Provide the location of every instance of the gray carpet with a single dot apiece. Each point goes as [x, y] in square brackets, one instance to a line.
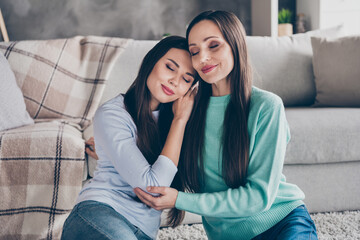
[330, 226]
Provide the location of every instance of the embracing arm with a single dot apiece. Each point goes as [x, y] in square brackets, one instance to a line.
[264, 174]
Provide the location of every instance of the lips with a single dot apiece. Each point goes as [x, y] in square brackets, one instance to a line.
[167, 90]
[208, 68]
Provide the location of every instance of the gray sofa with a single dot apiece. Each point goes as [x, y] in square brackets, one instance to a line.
[323, 156]
[43, 165]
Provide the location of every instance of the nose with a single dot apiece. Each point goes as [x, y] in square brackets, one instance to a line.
[204, 57]
[174, 80]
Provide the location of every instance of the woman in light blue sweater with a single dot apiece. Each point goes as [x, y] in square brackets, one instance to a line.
[232, 169]
[138, 139]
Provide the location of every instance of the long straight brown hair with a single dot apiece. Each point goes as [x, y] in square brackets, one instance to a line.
[151, 136]
[235, 138]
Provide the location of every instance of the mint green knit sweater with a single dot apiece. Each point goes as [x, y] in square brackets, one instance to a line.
[245, 212]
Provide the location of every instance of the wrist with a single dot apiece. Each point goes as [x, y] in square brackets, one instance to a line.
[180, 120]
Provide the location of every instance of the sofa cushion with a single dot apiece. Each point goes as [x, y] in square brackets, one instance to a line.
[40, 178]
[337, 71]
[323, 135]
[12, 106]
[283, 65]
[63, 78]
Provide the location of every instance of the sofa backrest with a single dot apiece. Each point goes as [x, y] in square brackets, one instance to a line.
[282, 65]
[126, 68]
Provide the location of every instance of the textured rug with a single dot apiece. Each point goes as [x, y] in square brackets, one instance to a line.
[330, 226]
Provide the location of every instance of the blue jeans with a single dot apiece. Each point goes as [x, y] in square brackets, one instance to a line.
[96, 220]
[296, 225]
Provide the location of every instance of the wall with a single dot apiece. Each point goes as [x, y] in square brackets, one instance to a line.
[138, 19]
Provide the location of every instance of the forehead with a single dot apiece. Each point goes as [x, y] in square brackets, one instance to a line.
[180, 56]
[175, 53]
[202, 30]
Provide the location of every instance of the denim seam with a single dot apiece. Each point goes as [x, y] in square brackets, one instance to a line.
[94, 226]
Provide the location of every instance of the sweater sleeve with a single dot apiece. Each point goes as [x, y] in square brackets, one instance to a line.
[115, 133]
[271, 134]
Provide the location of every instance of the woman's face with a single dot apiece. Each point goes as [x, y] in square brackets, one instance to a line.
[211, 55]
[171, 77]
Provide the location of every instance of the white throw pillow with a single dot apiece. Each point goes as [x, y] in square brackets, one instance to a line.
[12, 106]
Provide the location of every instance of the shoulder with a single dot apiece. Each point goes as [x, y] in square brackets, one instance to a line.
[264, 103]
[262, 100]
[113, 110]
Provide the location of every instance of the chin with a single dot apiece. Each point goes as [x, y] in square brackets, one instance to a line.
[166, 99]
[209, 80]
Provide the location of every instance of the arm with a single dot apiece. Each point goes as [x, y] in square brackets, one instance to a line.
[182, 110]
[264, 173]
[115, 132]
[115, 138]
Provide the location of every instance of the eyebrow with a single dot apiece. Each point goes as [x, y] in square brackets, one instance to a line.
[205, 39]
[190, 75]
[177, 65]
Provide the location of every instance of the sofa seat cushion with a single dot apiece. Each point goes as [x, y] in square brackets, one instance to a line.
[323, 135]
[40, 177]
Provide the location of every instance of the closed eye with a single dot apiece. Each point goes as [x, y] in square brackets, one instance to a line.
[193, 54]
[187, 81]
[214, 46]
[168, 66]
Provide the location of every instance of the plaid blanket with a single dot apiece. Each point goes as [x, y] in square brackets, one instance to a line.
[41, 165]
[63, 78]
[40, 177]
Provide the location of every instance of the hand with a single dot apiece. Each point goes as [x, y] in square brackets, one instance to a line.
[90, 148]
[166, 199]
[182, 107]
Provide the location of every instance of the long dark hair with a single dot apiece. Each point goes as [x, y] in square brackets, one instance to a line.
[235, 139]
[151, 136]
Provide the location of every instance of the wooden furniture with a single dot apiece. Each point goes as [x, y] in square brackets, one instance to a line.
[3, 28]
[328, 13]
[264, 18]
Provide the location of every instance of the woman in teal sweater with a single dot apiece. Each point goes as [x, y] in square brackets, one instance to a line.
[232, 168]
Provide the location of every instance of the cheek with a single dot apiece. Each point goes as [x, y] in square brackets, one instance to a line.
[195, 63]
[183, 89]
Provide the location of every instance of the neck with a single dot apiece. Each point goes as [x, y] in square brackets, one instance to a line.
[221, 88]
[154, 104]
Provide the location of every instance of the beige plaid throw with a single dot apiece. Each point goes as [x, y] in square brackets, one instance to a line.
[41, 165]
[63, 78]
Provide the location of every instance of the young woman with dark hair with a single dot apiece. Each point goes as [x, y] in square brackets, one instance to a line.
[138, 140]
[232, 168]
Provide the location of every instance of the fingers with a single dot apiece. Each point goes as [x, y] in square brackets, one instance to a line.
[194, 89]
[159, 190]
[91, 153]
[144, 197]
[196, 85]
[90, 148]
[90, 141]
